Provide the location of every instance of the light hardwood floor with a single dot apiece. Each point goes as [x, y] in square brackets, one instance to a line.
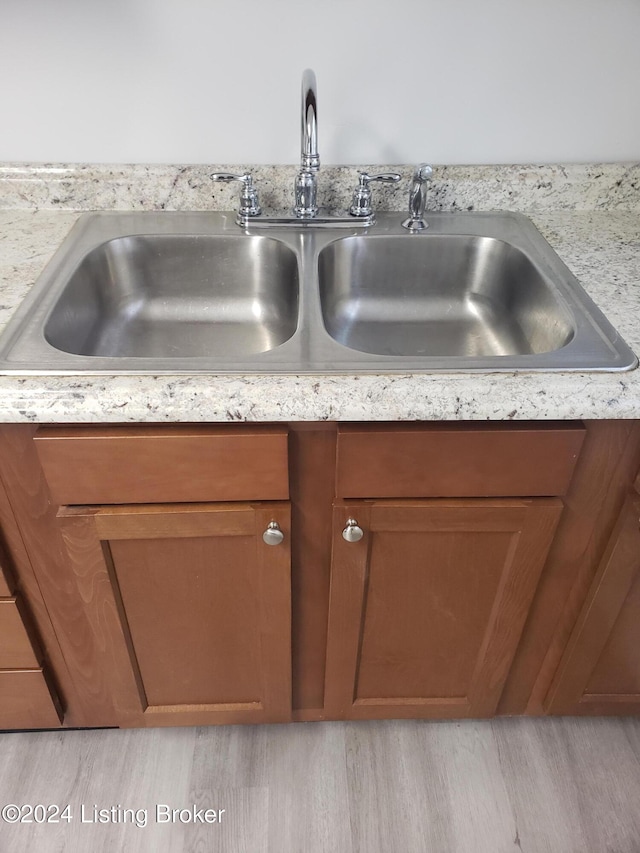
[518, 786]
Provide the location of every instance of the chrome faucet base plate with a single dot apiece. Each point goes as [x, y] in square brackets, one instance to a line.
[325, 221]
[415, 225]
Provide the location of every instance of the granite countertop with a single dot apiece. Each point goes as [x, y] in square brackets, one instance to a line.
[601, 246]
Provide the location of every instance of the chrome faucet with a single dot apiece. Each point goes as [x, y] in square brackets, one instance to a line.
[418, 198]
[306, 183]
[305, 209]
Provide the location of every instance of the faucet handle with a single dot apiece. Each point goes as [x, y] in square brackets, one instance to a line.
[361, 201]
[364, 179]
[249, 203]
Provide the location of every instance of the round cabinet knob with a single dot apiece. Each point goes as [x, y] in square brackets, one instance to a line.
[352, 533]
[273, 535]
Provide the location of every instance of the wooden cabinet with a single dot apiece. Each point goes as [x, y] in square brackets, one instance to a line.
[166, 611]
[192, 609]
[159, 602]
[186, 608]
[163, 464]
[457, 460]
[27, 697]
[600, 670]
[426, 610]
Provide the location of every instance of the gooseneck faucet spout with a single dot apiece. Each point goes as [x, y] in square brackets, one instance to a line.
[305, 213]
[309, 138]
[306, 183]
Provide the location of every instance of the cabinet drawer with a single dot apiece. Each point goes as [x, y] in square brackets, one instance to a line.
[26, 701]
[16, 649]
[173, 464]
[485, 460]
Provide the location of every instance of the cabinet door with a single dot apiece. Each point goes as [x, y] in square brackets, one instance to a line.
[600, 670]
[190, 608]
[426, 610]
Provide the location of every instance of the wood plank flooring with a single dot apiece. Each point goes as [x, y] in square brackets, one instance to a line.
[502, 786]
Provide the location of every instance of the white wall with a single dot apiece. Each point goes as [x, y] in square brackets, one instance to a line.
[448, 81]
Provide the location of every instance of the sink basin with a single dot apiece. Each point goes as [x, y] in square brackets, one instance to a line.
[449, 295]
[176, 296]
[191, 292]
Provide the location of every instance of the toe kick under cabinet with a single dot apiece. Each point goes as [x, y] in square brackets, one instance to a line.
[191, 575]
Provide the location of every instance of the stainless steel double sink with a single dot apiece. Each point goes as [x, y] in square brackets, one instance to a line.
[191, 292]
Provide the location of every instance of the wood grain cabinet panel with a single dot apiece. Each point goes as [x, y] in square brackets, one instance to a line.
[6, 580]
[426, 610]
[600, 670]
[27, 699]
[456, 460]
[171, 610]
[27, 702]
[16, 649]
[190, 607]
[164, 464]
